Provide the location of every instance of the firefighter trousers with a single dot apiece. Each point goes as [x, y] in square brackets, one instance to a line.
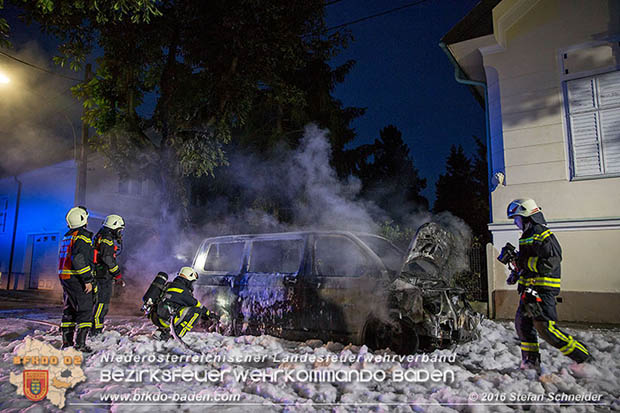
[530, 323]
[78, 305]
[102, 304]
[183, 321]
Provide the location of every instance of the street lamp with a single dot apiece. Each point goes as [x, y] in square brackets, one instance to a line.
[4, 79]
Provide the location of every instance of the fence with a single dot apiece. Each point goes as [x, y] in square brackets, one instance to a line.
[475, 280]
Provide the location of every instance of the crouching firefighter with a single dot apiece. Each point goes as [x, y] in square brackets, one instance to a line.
[178, 306]
[537, 270]
[75, 273]
[108, 244]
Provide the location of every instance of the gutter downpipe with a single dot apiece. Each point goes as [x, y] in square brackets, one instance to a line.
[458, 72]
[19, 193]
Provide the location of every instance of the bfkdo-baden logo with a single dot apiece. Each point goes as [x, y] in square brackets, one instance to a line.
[36, 384]
[47, 372]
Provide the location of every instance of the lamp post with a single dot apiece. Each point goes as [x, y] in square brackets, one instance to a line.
[4, 80]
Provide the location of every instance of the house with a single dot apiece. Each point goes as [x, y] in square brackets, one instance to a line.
[33, 205]
[548, 75]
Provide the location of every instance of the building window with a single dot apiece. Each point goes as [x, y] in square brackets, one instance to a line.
[135, 187]
[4, 209]
[593, 112]
[123, 185]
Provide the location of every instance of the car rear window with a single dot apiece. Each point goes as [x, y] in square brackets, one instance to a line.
[224, 257]
[276, 256]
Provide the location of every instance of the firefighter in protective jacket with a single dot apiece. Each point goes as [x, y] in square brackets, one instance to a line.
[538, 276]
[75, 272]
[178, 306]
[107, 268]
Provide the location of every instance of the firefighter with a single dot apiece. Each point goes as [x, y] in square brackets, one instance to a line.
[178, 303]
[538, 275]
[75, 270]
[107, 243]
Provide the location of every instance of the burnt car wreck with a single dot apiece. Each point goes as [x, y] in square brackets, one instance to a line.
[337, 286]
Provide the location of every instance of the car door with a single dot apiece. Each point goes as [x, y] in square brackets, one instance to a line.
[342, 288]
[219, 263]
[269, 297]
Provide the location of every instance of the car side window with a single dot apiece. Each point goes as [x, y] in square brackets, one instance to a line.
[276, 256]
[337, 256]
[225, 257]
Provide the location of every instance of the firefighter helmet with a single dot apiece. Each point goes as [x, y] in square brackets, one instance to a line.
[189, 273]
[77, 217]
[114, 222]
[524, 207]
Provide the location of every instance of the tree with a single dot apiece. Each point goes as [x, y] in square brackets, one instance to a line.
[390, 178]
[454, 190]
[272, 123]
[463, 189]
[202, 67]
[480, 214]
[115, 11]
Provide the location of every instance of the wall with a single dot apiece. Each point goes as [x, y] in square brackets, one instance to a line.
[530, 74]
[525, 74]
[47, 193]
[137, 204]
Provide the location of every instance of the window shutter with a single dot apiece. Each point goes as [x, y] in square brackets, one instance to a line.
[586, 144]
[581, 95]
[609, 89]
[594, 117]
[610, 127]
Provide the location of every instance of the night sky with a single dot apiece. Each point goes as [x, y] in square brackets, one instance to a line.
[401, 76]
[405, 79]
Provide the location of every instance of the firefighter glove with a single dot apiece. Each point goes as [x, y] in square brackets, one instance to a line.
[118, 280]
[206, 314]
[513, 278]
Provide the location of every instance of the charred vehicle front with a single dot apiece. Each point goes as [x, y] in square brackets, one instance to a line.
[338, 286]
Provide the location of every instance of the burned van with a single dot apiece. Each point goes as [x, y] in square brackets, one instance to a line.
[331, 285]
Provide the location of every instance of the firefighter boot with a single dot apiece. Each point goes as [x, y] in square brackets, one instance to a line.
[95, 332]
[80, 340]
[67, 336]
[531, 361]
[161, 334]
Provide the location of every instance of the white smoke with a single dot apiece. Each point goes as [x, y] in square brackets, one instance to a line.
[322, 201]
[304, 180]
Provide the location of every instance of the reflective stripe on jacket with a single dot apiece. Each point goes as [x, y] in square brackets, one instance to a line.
[107, 267]
[540, 255]
[76, 255]
[180, 293]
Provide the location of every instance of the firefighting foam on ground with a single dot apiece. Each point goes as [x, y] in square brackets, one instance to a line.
[440, 353]
[485, 370]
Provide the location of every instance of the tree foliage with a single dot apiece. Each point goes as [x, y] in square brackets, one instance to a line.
[388, 175]
[271, 122]
[463, 189]
[480, 173]
[202, 70]
[74, 14]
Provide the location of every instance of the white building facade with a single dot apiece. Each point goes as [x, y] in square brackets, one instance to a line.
[552, 75]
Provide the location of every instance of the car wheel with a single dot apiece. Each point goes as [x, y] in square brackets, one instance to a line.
[393, 334]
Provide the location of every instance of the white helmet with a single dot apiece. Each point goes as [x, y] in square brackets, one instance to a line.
[77, 217]
[114, 222]
[523, 206]
[189, 273]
